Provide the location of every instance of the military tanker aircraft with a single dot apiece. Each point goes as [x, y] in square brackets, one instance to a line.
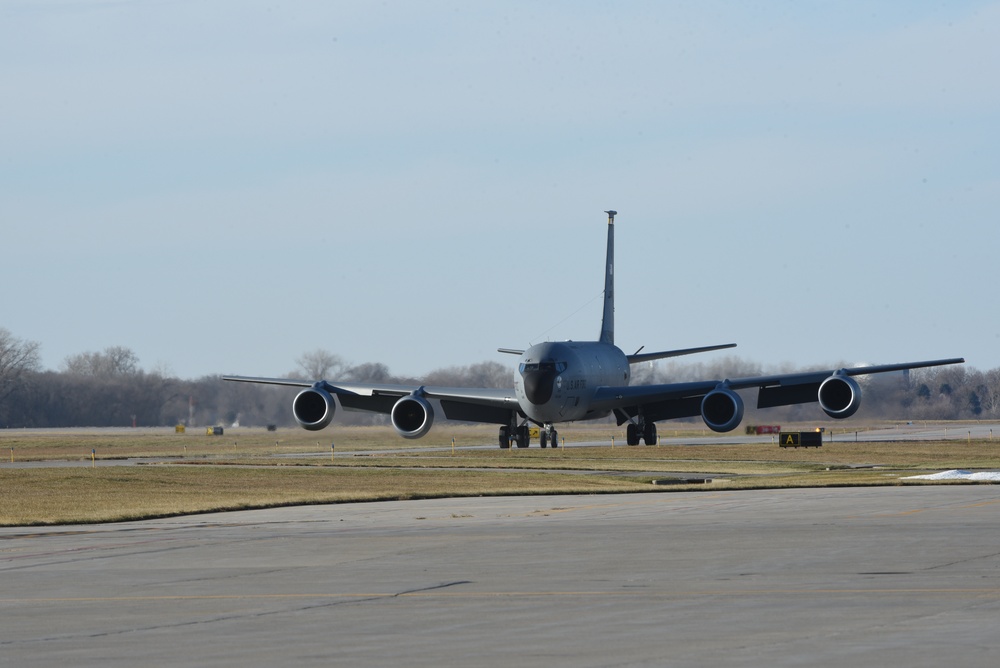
[567, 381]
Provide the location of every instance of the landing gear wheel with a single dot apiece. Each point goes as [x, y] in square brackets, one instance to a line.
[504, 438]
[555, 439]
[523, 436]
[632, 434]
[543, 439]
[649, 433]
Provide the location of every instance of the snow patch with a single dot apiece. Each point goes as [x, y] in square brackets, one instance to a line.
[958, 474]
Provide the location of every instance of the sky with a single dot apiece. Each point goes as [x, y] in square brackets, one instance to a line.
[222, 185]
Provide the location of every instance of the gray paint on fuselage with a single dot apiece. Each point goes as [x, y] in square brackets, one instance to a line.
[588, 366]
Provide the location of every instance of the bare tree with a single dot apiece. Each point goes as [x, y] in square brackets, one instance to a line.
[483, 374]
[320, 364]
[114, 361]
[121, 361]
[17, 357]
[369, 372]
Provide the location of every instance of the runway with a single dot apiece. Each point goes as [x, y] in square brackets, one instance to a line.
[901, 576]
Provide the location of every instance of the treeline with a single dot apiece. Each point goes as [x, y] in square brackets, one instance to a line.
[66, 399]
[108, 388]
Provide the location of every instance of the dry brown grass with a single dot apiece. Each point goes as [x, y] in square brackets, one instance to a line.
[240, 470]
[82, 494]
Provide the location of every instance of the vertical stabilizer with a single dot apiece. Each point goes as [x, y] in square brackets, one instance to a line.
[608, 322]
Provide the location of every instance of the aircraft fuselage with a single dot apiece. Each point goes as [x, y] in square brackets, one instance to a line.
[581, 380]
[556, 381]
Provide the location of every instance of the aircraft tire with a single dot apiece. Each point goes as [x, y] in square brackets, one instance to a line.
[632, 434]
[543, 439]
[649, 433]
[504, 438]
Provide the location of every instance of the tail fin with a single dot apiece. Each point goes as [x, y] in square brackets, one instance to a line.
[608, 322]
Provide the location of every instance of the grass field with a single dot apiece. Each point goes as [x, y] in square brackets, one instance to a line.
[63, 476]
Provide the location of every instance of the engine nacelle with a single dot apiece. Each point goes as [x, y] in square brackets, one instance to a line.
[313, 408]
[722, 410]
[839, 396]
[412, 416]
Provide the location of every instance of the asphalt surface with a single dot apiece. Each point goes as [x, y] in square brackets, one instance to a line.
[896, 576]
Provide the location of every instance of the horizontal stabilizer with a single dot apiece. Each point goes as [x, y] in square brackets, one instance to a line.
[647, 357]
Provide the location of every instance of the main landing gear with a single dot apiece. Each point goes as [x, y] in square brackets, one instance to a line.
[518, 435]
[640, 430]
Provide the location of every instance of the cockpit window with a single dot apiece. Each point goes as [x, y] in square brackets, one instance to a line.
[557, 367]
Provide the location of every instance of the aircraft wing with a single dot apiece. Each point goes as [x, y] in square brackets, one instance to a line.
[677, 400]
[459, 403]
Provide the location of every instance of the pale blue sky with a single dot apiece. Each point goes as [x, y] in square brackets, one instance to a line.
[222, 186]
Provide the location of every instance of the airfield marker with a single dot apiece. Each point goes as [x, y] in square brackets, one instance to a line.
[93, 458]
[452, 446]
[12, 451]
[331, 452]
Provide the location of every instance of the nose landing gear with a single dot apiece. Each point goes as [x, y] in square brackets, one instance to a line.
[548, 435]
[520, 434]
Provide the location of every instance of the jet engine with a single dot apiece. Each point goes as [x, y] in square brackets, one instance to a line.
[722, 409]
[839, 396]
[412, 416]
[313, 408]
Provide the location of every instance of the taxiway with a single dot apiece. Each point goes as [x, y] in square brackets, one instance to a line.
[902, 575]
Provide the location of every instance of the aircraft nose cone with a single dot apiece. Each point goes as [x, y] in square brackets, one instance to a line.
[538, 385]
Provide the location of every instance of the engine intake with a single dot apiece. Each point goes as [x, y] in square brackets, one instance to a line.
[840, 396]
[722, 410]
[313, 408]
[412, 416]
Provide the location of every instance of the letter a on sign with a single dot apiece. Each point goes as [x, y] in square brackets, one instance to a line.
[791, 439]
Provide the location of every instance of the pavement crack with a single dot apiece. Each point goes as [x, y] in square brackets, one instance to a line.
[992, 555]
[443, 585]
